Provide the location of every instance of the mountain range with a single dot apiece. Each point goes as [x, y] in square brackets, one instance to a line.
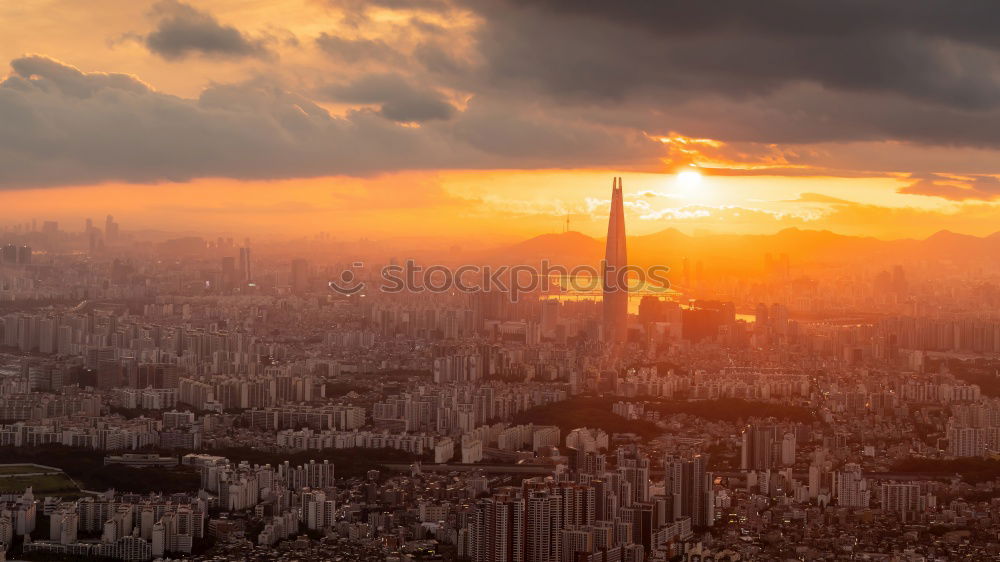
[731, 252]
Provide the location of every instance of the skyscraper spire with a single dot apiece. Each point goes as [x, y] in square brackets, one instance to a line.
[615, 286]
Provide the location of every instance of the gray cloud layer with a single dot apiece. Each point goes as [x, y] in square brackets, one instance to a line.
[61, 126]
[550, 83]
[357, 50]
[931, 50]
[399, 100]
[926, 71]
[182, 30]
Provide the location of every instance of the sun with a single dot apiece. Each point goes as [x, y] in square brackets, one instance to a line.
[688, 181]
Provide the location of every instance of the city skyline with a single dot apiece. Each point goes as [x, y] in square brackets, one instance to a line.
[342, 280]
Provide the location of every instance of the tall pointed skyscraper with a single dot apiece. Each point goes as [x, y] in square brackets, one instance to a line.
[615, 260]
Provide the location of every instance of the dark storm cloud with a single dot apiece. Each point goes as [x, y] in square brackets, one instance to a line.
[399, 100]
[183, 30]
[61, 126]
[541, 135]
[437, 60]
[969, 20]
[361, 6]
[778, 71]
[357, 50]
[807, 113]
[609, 50]
[540, 83]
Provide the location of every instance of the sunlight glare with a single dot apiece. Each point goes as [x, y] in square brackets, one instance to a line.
[688, 181]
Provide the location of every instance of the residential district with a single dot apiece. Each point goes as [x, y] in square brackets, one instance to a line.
[195, 399]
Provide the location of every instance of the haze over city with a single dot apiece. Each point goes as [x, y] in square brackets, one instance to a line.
[499, 280]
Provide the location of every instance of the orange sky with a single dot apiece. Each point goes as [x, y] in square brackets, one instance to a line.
[505, 204]
[460, 169]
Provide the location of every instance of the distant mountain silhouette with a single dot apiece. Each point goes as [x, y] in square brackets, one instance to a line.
[567, 248]
[735, 252]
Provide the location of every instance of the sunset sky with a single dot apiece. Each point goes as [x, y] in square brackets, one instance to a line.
[499, 119]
